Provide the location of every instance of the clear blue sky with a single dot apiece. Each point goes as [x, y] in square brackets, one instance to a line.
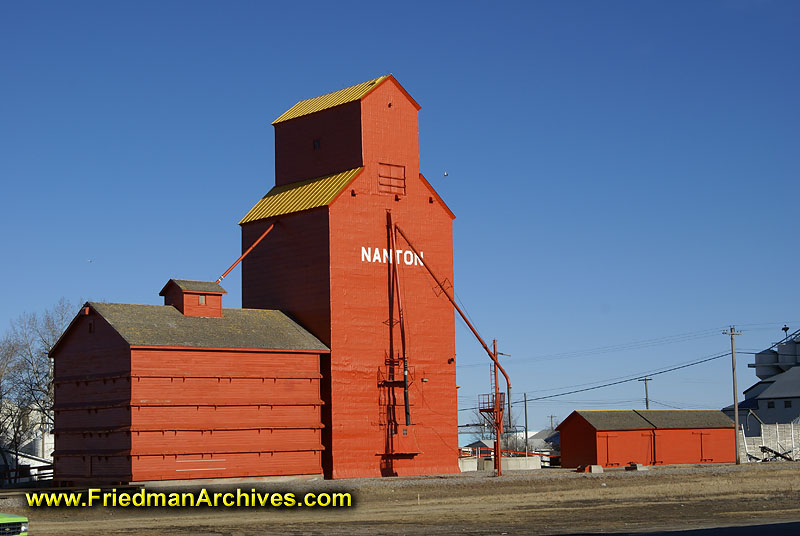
[621, 171]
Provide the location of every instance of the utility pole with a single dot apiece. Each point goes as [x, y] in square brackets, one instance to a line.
[646, 394]
[525, 397]
[551, 421]
[732, 332]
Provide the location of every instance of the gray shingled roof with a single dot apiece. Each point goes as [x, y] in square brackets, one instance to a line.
[686, 418]
[784, 385]
[648, 419]
[195, 286]
[747, 403]
[163, 325]
[620, 419]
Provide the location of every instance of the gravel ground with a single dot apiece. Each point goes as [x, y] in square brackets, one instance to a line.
[548, 501]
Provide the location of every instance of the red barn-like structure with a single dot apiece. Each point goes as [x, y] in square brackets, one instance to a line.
[342, 360]
[615, 438]
[185, 390]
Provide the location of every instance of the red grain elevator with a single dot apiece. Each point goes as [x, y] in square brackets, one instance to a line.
[344, 163]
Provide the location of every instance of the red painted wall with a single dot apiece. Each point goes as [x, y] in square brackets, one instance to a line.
[192, 306]
[687, 445]
[338, 131]
[618, 448]
[151, 413]
[578, 442]
[289, 271]
[189, 304]
[208, 403]
[361, 444]
[90, 388]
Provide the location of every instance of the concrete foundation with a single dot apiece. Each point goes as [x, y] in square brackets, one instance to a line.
[468, 464]
[508, 464]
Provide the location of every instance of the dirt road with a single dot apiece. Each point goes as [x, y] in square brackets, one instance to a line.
[550, 501]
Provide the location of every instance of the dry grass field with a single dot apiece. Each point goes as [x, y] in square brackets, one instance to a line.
[549, 501]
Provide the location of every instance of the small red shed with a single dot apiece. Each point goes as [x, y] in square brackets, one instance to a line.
[185, 390]
[614, 438]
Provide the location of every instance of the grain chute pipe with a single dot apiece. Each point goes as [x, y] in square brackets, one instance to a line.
[260, 238]
[460, 312]
[396, 287]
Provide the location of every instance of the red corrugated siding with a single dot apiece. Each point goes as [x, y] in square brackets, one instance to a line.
[208, 402]
[85, 355]
[214, 417]
[224, 465]
[255, 407]
[223, 391]
[94, 468]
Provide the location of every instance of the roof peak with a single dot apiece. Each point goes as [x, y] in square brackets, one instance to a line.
[336, 98]
[193, 285]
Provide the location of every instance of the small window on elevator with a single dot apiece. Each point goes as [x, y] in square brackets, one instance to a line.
[201, 299]
[392, 179]
[317, 144]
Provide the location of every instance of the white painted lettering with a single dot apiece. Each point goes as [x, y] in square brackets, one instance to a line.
[383, 256]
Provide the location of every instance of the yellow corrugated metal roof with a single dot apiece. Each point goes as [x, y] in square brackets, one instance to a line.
[348, 94]
[301, 195]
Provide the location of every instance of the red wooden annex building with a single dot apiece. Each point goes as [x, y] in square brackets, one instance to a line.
[614, 438]
[354, 362]
[185, 390]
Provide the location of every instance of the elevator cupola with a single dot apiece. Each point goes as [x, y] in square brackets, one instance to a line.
[194, 298]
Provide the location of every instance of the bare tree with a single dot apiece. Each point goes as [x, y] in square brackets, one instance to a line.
[15, 407]
[26, 377]
[7, 352]
[31, 337]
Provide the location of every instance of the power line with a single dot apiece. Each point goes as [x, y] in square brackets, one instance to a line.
[654, 401]
[635, 345]
[645, 343]
[649, 372]
[618, 382]
[635, 378]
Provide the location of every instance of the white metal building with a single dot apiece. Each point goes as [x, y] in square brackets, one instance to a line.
[775, 399]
